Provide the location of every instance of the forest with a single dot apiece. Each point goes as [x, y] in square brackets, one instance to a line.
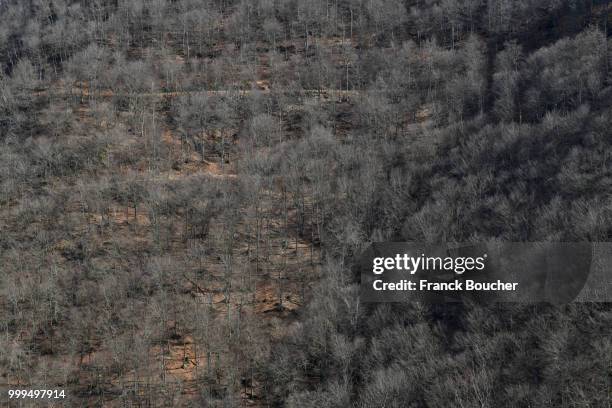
[186, 187]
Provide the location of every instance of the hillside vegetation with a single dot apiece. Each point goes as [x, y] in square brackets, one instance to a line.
[185, 185]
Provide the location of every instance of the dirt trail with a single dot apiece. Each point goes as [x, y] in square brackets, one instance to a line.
[261, 86]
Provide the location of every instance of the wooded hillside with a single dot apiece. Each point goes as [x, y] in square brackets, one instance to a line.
[184, 186]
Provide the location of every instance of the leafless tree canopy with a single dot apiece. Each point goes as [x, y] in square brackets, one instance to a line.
[185, 186]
